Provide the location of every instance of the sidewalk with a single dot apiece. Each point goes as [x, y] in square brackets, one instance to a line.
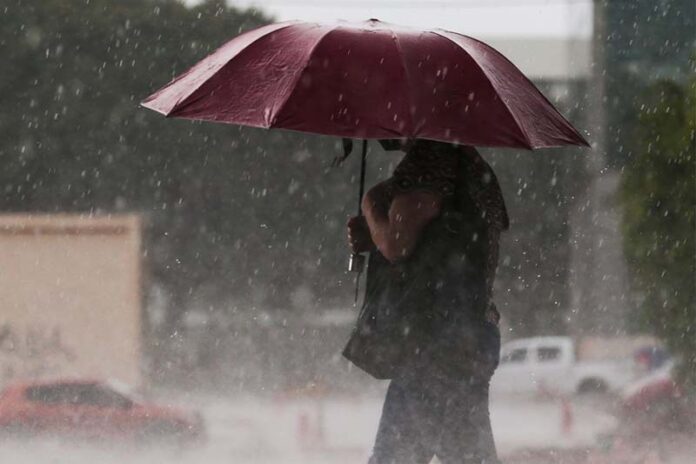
[675, 450]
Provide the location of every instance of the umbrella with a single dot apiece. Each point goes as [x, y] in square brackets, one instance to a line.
[368, 80]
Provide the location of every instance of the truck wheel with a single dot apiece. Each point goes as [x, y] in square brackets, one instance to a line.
[592, 385]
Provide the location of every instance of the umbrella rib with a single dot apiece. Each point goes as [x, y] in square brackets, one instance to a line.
[488, 78]
[185, 99]
[407, 76]
[529, 81]
[281, 107]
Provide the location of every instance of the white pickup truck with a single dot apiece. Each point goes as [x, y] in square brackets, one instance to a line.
[555, 365]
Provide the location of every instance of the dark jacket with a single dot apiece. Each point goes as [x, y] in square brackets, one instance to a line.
[429, 312]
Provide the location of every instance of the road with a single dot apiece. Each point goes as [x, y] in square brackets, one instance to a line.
[336, 430]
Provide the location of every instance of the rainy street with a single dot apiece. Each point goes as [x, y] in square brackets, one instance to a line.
[348, 231]
[340, 430]
[329, 431]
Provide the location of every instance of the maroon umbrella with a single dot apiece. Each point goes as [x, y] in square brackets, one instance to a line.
[368, 80]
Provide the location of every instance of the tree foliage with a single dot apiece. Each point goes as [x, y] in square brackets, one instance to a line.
[228, 210]
[645, 41]
[659, 223]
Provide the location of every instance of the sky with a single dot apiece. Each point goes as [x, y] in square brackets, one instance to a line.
[483, 18]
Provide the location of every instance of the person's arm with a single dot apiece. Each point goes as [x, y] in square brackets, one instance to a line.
[396, 223]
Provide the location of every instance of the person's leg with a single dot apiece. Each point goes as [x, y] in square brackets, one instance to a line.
[466, 436]
[405, 434]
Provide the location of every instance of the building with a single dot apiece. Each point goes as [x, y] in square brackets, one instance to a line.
[70, 297]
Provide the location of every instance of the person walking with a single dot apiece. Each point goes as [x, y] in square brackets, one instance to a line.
[428, 321]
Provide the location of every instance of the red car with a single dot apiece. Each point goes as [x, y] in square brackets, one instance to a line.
[91, 410]
[651, 393]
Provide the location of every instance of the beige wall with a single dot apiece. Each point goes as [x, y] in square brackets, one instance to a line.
[563, 59]
[70, 299]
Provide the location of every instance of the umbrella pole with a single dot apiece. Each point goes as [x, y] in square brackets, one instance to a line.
[362, 176]
[357, 261]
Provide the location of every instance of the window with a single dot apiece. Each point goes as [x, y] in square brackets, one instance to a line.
[548, 353]
[103, 397]
[53, 394]
[515, 356]
[78, 394]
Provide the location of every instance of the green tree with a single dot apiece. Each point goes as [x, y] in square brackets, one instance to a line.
[234, 214]
[658, 193]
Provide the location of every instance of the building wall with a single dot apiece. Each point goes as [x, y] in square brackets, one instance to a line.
[547, 59]
[600, 302]
[70, 297]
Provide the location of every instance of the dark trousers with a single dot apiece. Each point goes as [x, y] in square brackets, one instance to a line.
[426, 416]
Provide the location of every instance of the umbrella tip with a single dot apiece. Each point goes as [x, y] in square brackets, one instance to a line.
[583, 141]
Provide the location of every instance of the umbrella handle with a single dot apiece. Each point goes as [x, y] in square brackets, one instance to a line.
[363, 162]
[356, 263]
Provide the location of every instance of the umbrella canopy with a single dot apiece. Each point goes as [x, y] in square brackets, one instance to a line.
[369, 80]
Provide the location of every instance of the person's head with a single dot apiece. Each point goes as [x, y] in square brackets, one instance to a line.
[427, 158]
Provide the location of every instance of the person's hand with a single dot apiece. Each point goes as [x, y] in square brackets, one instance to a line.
[359, 238]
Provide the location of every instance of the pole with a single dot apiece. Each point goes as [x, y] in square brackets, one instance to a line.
[357, 261]
[362, 176]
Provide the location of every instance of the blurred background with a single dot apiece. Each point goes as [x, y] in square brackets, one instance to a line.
[205, 265]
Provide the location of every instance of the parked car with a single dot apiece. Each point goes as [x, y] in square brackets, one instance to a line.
[653, 394]
[655, 422]
[652, 358]
[91, 410]
[553, 365]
